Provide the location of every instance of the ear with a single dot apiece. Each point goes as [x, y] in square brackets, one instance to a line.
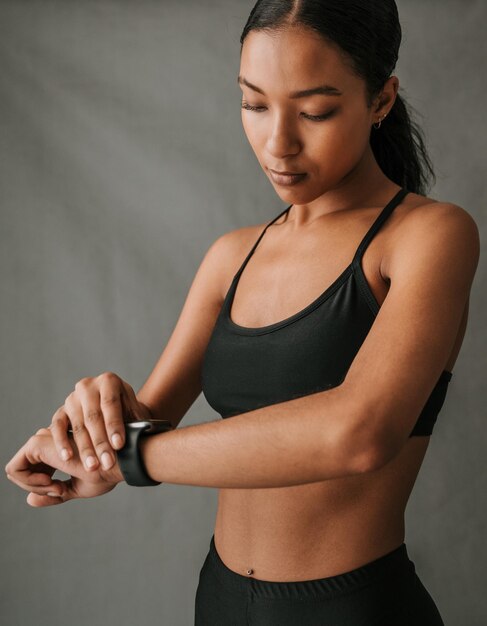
[385, 100]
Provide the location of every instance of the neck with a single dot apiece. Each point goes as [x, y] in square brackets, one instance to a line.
[364, 185]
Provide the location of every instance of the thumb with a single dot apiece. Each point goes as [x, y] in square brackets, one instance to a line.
[36, 500]
[64, 491]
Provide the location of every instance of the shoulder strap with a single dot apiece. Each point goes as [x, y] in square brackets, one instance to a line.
[381, 218]
[240, 270]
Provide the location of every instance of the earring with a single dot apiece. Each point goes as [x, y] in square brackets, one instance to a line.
[380, 122]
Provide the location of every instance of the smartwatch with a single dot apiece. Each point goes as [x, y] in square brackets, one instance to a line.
[129, 457]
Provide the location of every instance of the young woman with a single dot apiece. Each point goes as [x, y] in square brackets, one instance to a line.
[328, 335]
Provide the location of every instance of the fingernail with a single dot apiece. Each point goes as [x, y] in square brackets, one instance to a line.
[90, 461]
[64, 454]
[52, 494]
[106, 460]
[116, 440]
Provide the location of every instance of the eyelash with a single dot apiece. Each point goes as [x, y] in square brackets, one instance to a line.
[314, 118]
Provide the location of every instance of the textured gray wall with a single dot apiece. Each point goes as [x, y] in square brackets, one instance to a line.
[122, 158]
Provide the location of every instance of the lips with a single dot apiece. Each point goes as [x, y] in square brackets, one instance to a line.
[283, 173]
[287, 179]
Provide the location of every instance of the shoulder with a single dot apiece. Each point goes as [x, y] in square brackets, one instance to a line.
[428, 212]
[229, 250]
[442, 231]
[233, 241]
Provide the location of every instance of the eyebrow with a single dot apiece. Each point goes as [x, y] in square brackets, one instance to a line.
[324, 90]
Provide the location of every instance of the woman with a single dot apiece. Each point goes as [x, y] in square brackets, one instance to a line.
[330, 342]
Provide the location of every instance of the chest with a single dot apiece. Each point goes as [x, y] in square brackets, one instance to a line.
[247, 368]
[282, 281]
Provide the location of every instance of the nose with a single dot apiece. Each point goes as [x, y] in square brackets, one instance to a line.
[283, 139]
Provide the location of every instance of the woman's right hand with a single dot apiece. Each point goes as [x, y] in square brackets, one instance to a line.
[96, 411]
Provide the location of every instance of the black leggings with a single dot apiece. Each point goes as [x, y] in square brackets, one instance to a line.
[383, 592]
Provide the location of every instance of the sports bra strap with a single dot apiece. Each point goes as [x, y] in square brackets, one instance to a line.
[257, 242]
[381, 218]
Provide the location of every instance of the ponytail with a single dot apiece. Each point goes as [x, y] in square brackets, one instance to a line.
[399, 149]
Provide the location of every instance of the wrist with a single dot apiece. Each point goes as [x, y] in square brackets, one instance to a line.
[144, 449]
[132, 457]
[115, 473]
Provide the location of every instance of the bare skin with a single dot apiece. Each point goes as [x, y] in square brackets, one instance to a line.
[321, 529]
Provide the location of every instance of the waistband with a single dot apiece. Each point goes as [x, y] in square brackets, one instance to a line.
[390, 566]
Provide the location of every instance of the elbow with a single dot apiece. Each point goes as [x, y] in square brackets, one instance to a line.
[370, 459]
[368, 447]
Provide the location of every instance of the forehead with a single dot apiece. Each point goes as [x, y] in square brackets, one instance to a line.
[292, 58]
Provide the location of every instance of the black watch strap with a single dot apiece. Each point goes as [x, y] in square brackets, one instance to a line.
[129, 457]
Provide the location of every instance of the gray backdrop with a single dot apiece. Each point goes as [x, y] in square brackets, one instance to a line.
[122, 159]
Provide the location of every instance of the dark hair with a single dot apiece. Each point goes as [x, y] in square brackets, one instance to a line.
[369, 33]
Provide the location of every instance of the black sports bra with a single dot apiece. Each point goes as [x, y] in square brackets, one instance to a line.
[247, 368]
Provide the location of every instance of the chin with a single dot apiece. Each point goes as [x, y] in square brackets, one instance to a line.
[293, 195]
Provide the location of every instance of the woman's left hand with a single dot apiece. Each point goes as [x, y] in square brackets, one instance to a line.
[32, 467]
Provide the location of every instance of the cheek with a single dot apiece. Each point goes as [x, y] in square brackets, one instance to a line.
[256, 133]
[340, 143]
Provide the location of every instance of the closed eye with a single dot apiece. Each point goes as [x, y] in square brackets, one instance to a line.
[315, 118]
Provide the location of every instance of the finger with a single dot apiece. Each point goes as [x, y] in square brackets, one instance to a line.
[36, 500]
[23, 467]
[43, 431]
[59, 431]
[41, 486]
[30, 480]
[67, 492]
[94, 420]
[82, 438]
[111, 404]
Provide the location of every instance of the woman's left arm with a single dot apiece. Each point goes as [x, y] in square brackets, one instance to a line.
[363, 423]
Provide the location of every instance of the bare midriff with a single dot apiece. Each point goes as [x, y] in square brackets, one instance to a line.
[317, 530]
